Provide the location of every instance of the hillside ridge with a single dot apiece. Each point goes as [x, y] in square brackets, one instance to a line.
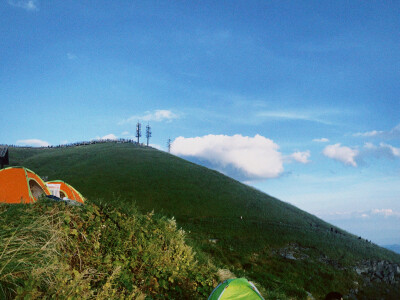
[237, 226]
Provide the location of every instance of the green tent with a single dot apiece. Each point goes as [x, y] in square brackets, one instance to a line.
[238, 288]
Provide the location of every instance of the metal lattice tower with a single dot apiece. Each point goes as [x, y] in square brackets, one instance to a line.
[138, 131]
[169, 145]
[148, 133]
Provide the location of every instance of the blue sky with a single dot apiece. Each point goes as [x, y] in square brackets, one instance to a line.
[298, 99]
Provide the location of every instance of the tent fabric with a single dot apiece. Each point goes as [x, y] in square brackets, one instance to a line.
[238, 288]
[62, 189]
[54, 189]
[21, 185]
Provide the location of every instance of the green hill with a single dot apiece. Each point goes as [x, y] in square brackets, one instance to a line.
[284, 249]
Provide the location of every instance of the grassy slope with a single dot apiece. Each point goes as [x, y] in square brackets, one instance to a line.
[210, 204]
[52, 251]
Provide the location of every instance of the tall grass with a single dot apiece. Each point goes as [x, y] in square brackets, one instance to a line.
[29, 247]
[50, 250]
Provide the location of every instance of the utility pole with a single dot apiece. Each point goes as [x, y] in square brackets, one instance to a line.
[169, 145]
[138, 131]
[148, 133]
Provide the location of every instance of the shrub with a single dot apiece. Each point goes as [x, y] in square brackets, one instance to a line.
[97, 252]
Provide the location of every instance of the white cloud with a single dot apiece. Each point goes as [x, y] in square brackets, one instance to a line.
[390, 134]
[125, 133]
[369, 133]
[321, 140]
[30, 5]
[64, 142]
[386, 212]
[254, 157]
[71, 56]
[383, 149]
[373, 213]
[158, 115]
[300, 116]
[340, 153]
[301, 157]
[369, 146]
[379, 224]
[33, 142]
[394, 151]
[110, 136]
[396, 131]
[156, 146]
[339, 215]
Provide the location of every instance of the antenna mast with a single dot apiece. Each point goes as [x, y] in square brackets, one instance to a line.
[169, 145]
[138, 131]
[148, 133]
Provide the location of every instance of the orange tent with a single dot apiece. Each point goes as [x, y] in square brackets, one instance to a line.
[62, 189]
[21, 185]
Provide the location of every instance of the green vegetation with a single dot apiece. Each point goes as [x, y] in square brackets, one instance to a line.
[239, 228]
[51, 250]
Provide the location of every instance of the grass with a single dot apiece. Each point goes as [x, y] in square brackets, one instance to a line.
[28, 246]
[49, 250]
[210, 205]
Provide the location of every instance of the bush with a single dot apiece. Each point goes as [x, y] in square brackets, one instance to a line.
[96, 252]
